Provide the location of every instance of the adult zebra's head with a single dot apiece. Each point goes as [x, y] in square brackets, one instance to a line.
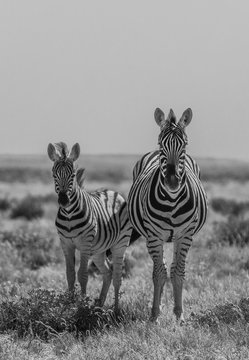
[172, 141]
[64, 170]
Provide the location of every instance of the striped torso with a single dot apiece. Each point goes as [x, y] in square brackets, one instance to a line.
[94, 220]
[155, 212]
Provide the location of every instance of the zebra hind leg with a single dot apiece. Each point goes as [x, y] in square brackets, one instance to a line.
[100, 260]
[118, 258]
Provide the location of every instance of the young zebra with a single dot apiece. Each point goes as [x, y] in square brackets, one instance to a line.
[88, 222]
[167, 202]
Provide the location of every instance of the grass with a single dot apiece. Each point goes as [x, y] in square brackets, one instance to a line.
[215, 293]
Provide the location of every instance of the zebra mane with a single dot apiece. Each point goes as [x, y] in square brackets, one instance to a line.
[61, 147]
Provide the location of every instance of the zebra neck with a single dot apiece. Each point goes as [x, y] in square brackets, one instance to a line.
[77, 199]
[164, 193]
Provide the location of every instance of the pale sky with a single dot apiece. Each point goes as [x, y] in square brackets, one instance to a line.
[94, 71]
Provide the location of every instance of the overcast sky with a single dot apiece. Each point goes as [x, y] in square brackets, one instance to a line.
[94, 71]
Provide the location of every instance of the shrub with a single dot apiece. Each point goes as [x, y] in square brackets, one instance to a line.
[233, 232]
[29, 207]
[45, 313]
[229, 207]
[35, 247]
[10, 262]
[5, 204]
[51, 197]
[227, 313]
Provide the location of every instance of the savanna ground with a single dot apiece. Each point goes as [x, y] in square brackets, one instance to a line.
[39, 320]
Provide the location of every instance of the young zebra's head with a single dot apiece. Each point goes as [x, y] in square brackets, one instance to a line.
[64, 170]
[172, 141]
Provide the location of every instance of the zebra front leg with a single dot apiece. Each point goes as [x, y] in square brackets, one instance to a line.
[82, 272]
[177, 274]
[155, 248]
[105, 270]
[69, 253]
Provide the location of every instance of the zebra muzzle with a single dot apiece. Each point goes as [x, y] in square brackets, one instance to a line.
[172, 182]
[63, 199]
[172, 179]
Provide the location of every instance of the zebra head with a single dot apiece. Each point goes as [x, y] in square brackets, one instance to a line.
[64, 170]
[172, 142]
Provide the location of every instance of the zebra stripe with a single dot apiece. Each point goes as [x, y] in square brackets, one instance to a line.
[88, 222]
[167, 202]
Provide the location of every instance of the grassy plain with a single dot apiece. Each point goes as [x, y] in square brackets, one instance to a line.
[33, 284]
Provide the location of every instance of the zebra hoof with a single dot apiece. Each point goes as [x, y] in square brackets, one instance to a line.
[180, 320]
[119, 313]
[98, 303]
[154, 318]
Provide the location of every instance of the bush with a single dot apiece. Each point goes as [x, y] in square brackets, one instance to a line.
[229, 207]
[10, 263]
[5, 204]
[29, 207]
[227, 313]
[234, 232]
[35, 247]
[45, 313]
[48, 198]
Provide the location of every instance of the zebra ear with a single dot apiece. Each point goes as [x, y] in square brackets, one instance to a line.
[75, 152]
[53, 153]
[186, 118]
[80, 176]
[159, 117]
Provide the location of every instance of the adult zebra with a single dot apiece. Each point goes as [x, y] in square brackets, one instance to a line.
[167, 202]
[89, 222]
